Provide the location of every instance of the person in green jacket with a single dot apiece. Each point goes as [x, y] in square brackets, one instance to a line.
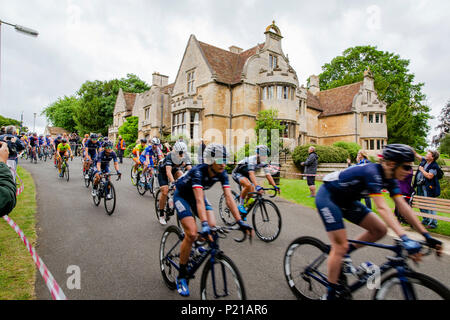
[8, 187]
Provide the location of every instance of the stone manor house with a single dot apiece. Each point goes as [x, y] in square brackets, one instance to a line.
[216, 90]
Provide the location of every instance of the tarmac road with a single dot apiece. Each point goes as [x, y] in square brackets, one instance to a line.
[118, 254]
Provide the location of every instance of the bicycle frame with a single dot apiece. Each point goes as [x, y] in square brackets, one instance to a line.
[210, 254]
[398, 262]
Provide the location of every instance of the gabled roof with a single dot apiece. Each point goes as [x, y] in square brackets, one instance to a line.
[168, 87]
[227, 65]
[54, 131]
[334, 101]
[130, 98]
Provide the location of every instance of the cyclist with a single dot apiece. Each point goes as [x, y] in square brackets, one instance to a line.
[137, 151]
[339, 197]
[151, 152]
[83, 142]
[63, 150]
[33, 143]
[244, 175]
[41, 143]
[170, 169]
[102, 165]
[190, 200]
[92, 147]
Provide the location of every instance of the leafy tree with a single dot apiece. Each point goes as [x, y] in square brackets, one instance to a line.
[8, 122]
[407, 113]
[129, 130]
[267, 120]
[445, 144]
[351, 147]
[444, 125]
[61, 113]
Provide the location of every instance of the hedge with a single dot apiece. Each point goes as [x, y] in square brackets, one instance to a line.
[445, 188]
[327, 154]
[351, 147]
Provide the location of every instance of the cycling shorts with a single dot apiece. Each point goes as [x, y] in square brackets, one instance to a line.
[103, 170]
[187, 208]
[333, 212]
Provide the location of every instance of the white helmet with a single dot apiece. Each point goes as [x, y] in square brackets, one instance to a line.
[262, 150]
[180, 147]
[156, 141]
[214, 152]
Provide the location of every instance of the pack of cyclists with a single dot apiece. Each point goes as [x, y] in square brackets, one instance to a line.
[339, 197]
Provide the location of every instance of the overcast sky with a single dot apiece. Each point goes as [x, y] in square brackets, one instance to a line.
[83, 40]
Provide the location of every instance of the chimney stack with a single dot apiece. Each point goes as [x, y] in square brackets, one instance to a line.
[160, 80]
[314, 84]
[235, 49]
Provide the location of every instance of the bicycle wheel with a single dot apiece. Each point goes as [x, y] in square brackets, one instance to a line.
[224, 212]
[155, 185]
[133, 174]
[66, 173]
[221, 280]
[157, 197]
[266, 220]
[420, 287]
[169, 255]
[110, 204]
[305, 256]
[140, 185]
[98, 198]
[87, 181]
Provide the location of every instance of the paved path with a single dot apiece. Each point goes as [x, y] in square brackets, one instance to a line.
[118, 255]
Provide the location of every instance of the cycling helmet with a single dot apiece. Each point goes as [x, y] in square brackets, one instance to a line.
[64, 140]
[262, 150]
[108, 144]
[180, 147]
[398, 153]
[143, 140]
[86, 135]
[94, 136]
[156, 141]
[215, 152]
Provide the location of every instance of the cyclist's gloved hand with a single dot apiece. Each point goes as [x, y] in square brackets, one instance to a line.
[432, 242]
[243, 226]
[411, 246]
[258, 188]
[277, 189]
[205, 229]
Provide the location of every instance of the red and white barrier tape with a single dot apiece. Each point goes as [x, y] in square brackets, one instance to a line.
[52, 285]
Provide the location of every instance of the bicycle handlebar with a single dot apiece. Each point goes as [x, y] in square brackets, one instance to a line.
[265, 189]
[225, 230]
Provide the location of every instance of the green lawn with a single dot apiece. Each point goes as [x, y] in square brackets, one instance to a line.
[297, 191]
[17, 270]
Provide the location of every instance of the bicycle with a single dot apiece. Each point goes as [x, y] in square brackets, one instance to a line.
[106, 191]
[90, 176]
[169, 255]
[261, 218]
[64, 169]
[149, 182]
[134, 173]
[309, 281]
[169, 209]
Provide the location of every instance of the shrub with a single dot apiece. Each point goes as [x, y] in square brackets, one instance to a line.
[327, 154]
[351, 147]
[445, 187]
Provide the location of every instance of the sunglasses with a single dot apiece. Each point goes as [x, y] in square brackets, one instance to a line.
[221, 161]
[406, 167]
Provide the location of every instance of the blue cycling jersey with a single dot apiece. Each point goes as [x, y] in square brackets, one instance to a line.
[92, 147]
[105, 159]
[359, 182]
[198, 177]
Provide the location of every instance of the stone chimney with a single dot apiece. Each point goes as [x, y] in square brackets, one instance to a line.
[160, 80]
[273, 38]
[314, 87]
[235, 49]
[368, 80]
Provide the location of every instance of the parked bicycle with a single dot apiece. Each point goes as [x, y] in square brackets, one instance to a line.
[266, 216]
[220, 278]
[106, 191]
[305, 271]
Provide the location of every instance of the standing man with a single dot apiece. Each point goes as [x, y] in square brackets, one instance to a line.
[311, 168]
[7, 185]
[15, 146]
[120, 148]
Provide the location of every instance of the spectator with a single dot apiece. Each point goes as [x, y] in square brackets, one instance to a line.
[427, 183]
[120, 146]
[201, 148]
[407, 191]
[311, 169]
[8, 187]
[15, 146]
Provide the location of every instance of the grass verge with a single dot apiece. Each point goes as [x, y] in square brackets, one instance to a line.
[297, 191]
[17, 270]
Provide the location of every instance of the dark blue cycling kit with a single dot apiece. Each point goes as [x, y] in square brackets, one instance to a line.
[196, 178]
[149, 151]
[340, 195]
[246, 165]
[163, 179]
[104, 160]
[92, 148]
